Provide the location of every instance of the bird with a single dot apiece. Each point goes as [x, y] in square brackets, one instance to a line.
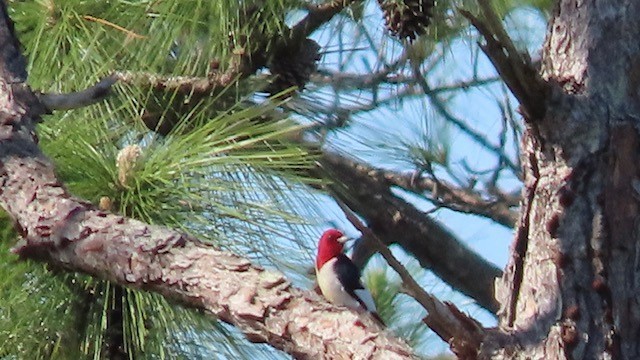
[339, 278]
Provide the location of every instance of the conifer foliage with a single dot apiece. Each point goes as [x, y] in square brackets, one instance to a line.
[187, 139]
[215, 172]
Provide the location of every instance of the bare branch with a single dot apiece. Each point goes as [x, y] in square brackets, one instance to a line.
[514, 67]
[341, 80]
[396, 221]
[463, 333]
[361, 81]
[443, 193]
[78, 99]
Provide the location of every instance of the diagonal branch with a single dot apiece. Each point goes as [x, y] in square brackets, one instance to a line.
[316, 17]
[396, 221]
[443, 193]
[462, 333]
[514, 67]
[69, 233]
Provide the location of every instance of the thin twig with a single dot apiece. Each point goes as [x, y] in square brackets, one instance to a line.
[440, 107]
[115, 26]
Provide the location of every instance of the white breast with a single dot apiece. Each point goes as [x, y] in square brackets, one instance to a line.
[333, 290]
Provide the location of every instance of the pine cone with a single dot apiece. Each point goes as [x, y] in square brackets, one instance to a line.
[407, 18]
[293, 69]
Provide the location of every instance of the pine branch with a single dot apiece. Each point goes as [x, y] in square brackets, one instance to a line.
[514, 67]
[186, 85]
[394, 220]
[462, 333]
[75, 100]
[443, 193]
[69, 233]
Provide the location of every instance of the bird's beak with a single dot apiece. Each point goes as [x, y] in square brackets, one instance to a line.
[343, 239]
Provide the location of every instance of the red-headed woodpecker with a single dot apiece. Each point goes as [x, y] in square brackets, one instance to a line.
[339, 278]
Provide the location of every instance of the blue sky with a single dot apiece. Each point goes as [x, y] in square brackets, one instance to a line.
[388, 126]
[406, 121]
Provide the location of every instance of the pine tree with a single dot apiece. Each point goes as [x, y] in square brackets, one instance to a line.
[220, 168]
[225, 114]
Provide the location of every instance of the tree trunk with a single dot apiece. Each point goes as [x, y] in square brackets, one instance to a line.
[572, 286]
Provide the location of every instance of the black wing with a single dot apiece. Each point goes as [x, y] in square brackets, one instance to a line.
[349, 276]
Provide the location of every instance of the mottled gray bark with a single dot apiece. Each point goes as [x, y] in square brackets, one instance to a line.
[571, 288]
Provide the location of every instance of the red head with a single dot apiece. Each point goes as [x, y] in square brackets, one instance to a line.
[330, 245]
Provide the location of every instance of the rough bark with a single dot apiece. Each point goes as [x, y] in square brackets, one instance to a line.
[67, 232]
[459, 266]
[442, 193]
[571, 288]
